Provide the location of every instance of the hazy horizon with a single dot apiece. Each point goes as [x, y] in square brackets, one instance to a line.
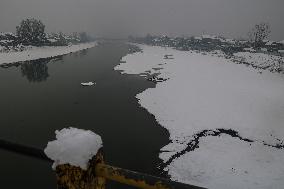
[230, 18]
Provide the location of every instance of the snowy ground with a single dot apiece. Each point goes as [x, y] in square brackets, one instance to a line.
[260, 60]
[33, 53]
[225, 119]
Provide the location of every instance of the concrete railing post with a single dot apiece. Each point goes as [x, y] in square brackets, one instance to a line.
[72, 177]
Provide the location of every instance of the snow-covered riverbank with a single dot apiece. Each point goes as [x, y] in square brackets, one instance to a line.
[33, 53]
[225, 119]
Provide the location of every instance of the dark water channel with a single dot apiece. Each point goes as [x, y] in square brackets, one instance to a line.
[39, 97]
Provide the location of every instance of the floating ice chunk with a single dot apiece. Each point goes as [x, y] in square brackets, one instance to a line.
[88, 83]
[73, 146]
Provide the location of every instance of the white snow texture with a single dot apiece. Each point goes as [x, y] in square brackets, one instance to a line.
[34, 53]
[73, 146]
[209, 92]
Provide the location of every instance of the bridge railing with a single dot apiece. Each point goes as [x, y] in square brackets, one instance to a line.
[97, 173]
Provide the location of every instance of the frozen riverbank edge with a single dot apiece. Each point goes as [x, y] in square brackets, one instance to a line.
[34, 53]
[225, 119]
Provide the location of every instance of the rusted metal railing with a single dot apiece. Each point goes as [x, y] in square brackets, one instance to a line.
[97, 173]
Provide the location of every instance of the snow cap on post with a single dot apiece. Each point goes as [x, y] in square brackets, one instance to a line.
[73, 146]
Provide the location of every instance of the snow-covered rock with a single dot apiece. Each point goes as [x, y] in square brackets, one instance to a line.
[73, 146]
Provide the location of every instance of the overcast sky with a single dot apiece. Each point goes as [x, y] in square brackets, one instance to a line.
[231, 18]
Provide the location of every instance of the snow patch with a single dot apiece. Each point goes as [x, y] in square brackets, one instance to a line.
[198, 38]
[226, 162]
[34, 53]
[209, 36]
[73, 146]
[261, 60]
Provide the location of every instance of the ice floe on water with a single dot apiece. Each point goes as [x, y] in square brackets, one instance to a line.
[205, 94]
[73, 146]
[88, 83]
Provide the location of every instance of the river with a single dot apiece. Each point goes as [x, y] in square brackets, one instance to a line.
[39, 97]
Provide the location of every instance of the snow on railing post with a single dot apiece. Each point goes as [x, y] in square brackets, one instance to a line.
[76, 153]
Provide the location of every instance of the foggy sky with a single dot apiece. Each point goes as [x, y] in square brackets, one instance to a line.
[231, 18]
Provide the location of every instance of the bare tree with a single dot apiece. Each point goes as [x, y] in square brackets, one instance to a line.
[259, 33]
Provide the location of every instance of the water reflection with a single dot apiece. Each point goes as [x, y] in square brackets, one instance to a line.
[80, 54]
[83, 52]
[36, 70]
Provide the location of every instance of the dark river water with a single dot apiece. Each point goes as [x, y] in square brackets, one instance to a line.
[39, 97]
